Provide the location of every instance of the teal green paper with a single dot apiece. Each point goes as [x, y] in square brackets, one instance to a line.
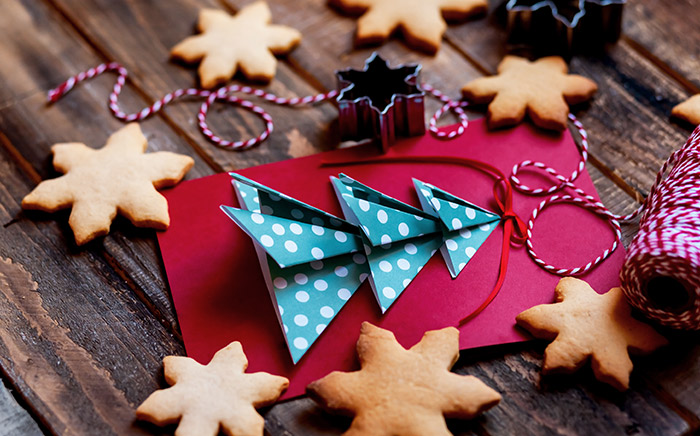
[465, 225]
[399, 239]
[313, 262]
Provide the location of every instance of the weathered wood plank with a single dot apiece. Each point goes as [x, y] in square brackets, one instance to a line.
[14, 420]
[331, 44]
[668, 32]
[628, 117]
[328, 46]
[677, 371]
[128, 32]
[531, 404]
[30, 127]
[80, 348]
[632, 409]
[628, 123]
[559, 405]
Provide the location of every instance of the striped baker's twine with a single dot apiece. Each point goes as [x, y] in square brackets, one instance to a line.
[668, 242]
[453, 105]
[224, 94]
[581, 199]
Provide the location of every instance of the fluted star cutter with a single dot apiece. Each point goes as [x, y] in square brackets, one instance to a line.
[380, 102]
[564, 26]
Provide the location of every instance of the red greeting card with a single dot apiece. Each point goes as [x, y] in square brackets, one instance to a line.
[220, 294]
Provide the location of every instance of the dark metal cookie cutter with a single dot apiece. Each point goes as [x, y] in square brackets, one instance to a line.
[380, 102]
[564, 26]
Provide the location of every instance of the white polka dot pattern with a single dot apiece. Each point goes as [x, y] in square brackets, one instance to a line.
[316, 261]
[322, 254]
[399, 239]
[310, 298]
[465, 225]
[293, 243]
[382, 224]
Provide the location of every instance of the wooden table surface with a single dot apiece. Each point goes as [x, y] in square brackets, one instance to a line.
[83, 330]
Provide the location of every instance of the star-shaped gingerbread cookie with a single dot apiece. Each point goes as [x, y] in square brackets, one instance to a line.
[220, 395]
[689, 110]
[542, 89]
[420, 21]
[247, 41]
[586, 325]
[404, 392]
[118, 178]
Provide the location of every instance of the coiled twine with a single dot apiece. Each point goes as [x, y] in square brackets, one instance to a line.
[661, 273]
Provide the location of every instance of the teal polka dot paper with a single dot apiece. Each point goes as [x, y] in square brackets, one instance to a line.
[394, 266]
[259, 198]
[399, 239]
[314, 262]
[465, 225]
[292, 242]
[309, 296]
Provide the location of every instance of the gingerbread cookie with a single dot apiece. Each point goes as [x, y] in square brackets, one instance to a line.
[404, 392]
[217, 396]
[420, 21]
[118, 178]
[542, 88]
[584, 324]
[689, 110]
[247, 40]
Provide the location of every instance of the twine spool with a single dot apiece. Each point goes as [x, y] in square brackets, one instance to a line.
[661, 273]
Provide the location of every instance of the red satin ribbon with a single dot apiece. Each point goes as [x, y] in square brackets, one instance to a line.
[514, 230]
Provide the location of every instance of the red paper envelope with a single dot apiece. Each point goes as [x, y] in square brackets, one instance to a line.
[220, 295]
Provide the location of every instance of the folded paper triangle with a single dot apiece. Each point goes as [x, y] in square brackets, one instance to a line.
[465, 225]
[399, 239]
[292, 242]
[265, 200]
[394, 266]
[312, 261]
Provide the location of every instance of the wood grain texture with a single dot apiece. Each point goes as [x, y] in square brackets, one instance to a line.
[80, 348]
[531, 404]
[628, 116]
[327, 46]
[30, 127]
[127, 32]
[14, 420]
[87, 329]
[667, 32]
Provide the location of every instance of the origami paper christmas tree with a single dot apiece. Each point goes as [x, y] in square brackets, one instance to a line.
[314, 262]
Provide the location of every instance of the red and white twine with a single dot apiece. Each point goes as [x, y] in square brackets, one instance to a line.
[224, 94]
[580, 199]
[668, 242]
[453, 105]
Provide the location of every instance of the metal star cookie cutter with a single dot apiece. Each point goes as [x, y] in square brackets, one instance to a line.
[380, 102]
[564, 26]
